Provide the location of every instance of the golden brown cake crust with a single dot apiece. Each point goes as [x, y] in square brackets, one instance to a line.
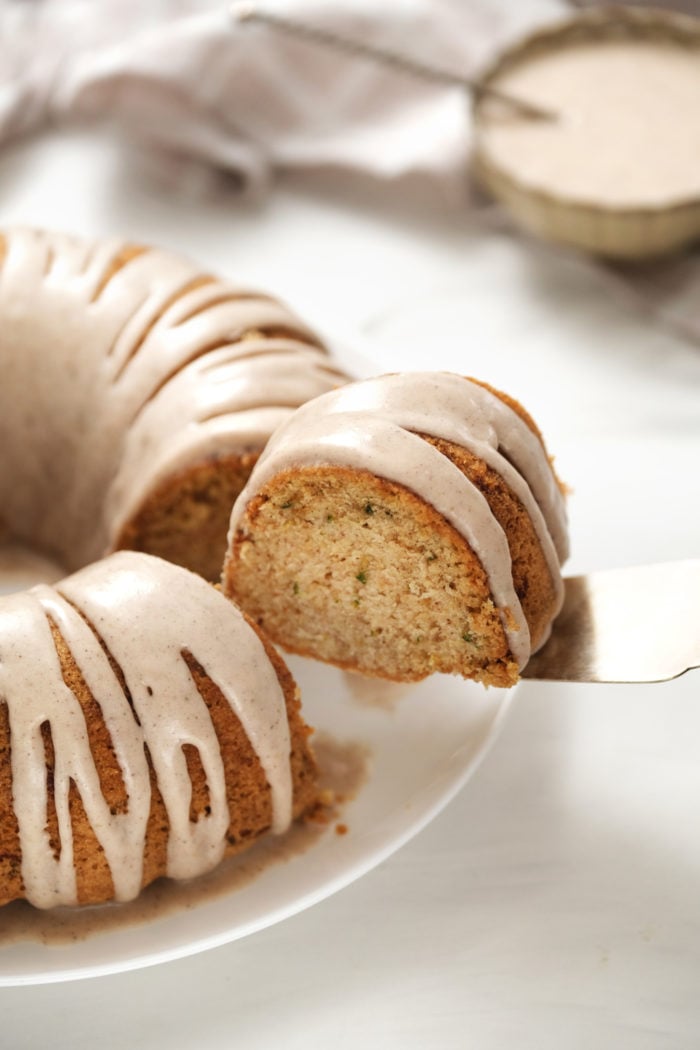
[10, 856]
[531, 576]
[185, 521]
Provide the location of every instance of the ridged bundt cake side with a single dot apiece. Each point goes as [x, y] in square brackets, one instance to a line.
[146, 729]
[400, 526]
[137, 392]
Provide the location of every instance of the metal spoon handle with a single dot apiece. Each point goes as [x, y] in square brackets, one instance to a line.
[250, 13]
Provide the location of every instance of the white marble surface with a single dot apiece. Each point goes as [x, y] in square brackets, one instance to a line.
[556, 902]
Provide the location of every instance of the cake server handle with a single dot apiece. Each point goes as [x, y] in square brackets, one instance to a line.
[639, 624]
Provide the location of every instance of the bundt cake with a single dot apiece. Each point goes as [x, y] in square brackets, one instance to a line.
[136, 394]
[403, 525]
[146, 729]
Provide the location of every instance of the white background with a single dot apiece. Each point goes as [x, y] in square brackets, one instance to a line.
[556, 902]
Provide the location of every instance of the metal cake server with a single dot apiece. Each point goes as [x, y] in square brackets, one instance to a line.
[638, 624]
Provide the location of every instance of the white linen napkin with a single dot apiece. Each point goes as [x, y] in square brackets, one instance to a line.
[211, 95]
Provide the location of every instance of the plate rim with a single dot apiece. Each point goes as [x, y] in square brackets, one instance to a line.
[321, 890]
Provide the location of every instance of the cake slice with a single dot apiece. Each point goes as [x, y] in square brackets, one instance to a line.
[403, 525]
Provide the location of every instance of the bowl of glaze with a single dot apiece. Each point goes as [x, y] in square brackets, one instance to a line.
[616, 172]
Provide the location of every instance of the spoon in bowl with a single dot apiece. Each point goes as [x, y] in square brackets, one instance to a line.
[248, 12]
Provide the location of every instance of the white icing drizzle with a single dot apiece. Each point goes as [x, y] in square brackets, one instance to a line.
[147, 612]
[374, 425]
[113, 381]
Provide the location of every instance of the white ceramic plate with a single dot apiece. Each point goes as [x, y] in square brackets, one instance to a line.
[421, 748]
[421, 745]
